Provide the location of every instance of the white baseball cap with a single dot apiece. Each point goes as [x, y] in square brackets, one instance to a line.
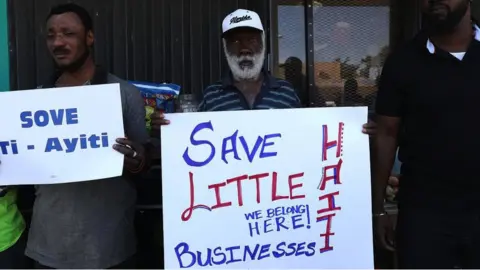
[242, 18]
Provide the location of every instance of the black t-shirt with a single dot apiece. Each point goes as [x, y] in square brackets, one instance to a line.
[437, 98]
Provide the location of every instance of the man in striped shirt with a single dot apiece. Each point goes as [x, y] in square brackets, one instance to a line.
[247, 86]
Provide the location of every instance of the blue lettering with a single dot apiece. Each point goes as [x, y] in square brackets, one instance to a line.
[253, 254]
[42, 118]
[218, 253]
[70, 144]
[188, 258]
[232, 258]
[94, 141]
[72, 116]
[270, 213]
[57, 117]
[280, 221]
[249, 216]
[300, 249]
[251, 155]
[253, 226]
[280, 252]
[253, 215]
[264, 154]
[208, 260]
[225, 151]
[26, 119]
[181, 250]
[292, 248]
[267, 223]
[264, 252]
[83, 141]
[4, 147]
[295, 220]
[286, 210]
[14, 147]
[311, 249]
[104, 139]
[229, 146]
[53, 144]
[186, 157]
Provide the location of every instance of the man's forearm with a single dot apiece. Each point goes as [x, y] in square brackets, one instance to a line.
[383, 157]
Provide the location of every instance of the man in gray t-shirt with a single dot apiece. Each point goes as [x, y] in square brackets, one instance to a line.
[88, 224]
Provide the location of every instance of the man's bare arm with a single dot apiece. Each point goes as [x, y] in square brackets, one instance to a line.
[384, 149]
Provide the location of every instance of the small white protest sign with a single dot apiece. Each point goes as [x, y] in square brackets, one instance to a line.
[60, 135]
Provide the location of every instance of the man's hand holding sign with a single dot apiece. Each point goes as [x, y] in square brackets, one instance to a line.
[134, 154]
[158, 120]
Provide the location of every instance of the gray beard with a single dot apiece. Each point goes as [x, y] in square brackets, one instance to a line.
[245, 73]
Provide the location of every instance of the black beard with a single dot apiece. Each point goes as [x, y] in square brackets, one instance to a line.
[435, 26]
[75, 65]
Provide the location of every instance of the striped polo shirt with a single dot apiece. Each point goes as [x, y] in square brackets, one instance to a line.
[274, 94]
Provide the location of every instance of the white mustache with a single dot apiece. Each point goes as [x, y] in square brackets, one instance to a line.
[243, 58]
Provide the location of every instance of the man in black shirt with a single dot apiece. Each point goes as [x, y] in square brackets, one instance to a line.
[430, 87]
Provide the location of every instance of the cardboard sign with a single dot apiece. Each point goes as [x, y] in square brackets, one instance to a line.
[60, 135]
[276, 189]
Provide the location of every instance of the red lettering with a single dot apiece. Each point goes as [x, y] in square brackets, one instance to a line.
[257, 178]
[328, 232]
[187, 214]
[219, 204]
[217, 187]
[276, 197]
[335, 175]
[330, 144]
[331, 203]
[239, 180]
[291, 186]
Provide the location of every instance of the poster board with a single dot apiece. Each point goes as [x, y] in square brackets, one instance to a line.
[60, 135]
[270, 189]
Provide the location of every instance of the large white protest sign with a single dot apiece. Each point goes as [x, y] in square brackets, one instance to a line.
[60, 135]
[276, 189]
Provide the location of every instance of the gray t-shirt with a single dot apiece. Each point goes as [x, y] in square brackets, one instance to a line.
[90, 224]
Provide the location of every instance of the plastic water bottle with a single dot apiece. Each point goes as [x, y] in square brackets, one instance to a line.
[186, 103]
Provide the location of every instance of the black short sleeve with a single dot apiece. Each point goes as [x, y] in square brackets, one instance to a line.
[391, 93]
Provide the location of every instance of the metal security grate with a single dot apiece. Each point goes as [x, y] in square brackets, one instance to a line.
[289, 44]
[351, 42]
[351, 39]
